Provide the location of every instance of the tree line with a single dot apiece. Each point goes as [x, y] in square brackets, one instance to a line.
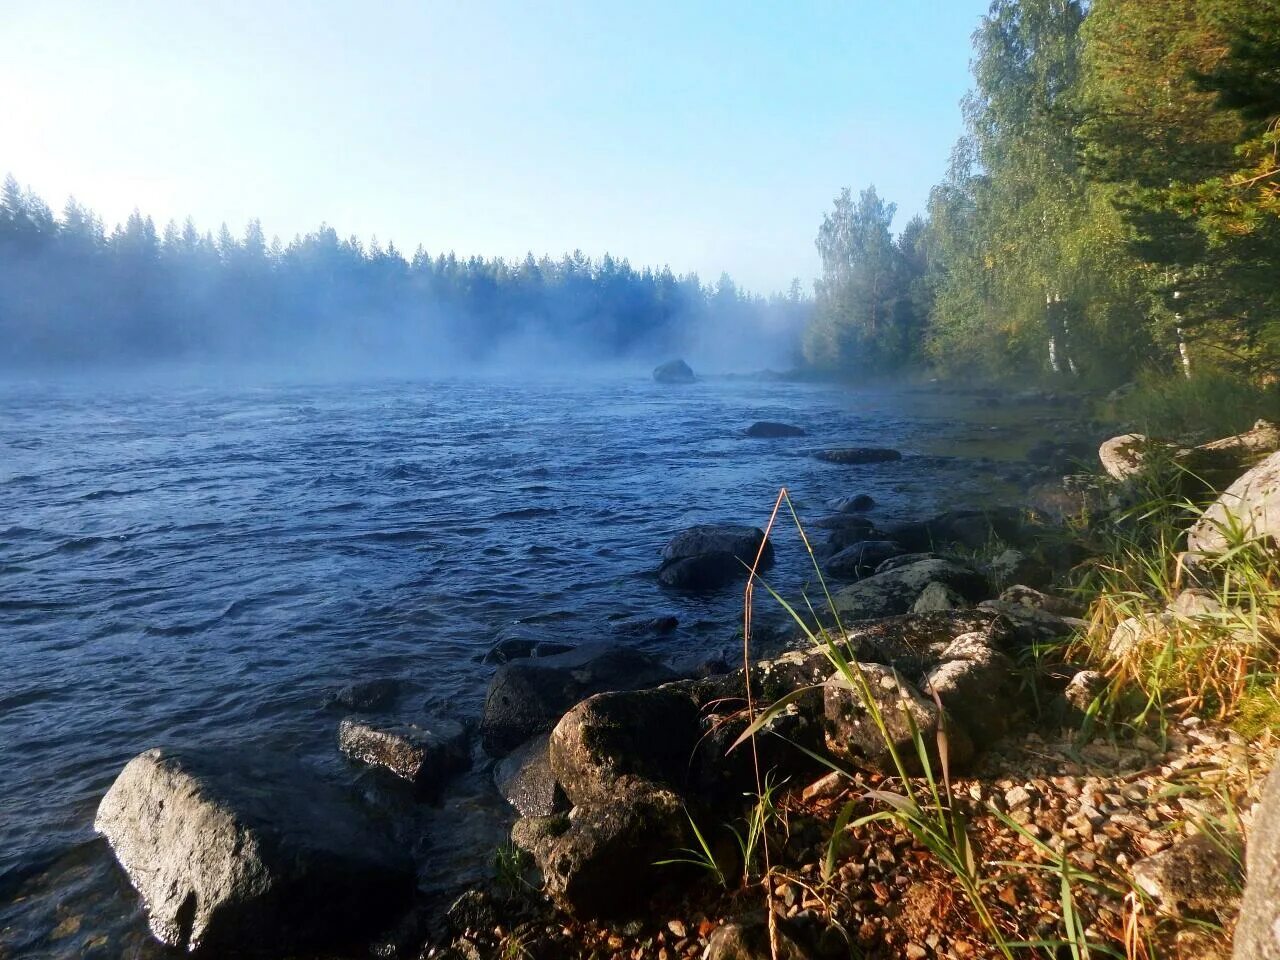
[1113, 205]
[73, 292]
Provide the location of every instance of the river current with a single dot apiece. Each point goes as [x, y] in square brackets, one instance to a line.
[192, 566]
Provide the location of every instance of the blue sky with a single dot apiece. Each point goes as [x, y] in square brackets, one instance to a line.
[705, 135]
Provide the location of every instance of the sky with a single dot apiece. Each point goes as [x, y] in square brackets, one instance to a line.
[707, 136]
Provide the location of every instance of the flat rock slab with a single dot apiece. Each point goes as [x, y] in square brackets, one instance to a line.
[425, 756]
[249, 853]
[856, 455]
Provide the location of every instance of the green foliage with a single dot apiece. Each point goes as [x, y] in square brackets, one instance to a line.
[1213, 403]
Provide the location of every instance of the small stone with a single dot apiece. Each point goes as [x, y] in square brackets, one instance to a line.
[677, 929]
[1017, 798]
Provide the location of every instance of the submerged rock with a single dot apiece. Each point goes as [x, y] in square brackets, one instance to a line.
[366, 695]
[425, 756]
[674, 371]
[861, 559]
[248, 853]
[527, 697]
[710, 556]
[857, 455]
[771, 429]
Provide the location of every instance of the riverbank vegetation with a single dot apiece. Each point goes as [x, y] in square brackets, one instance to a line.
[1113, 209]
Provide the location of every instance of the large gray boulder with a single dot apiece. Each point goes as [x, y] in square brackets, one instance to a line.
[1257, 935]
[527, 697]
[249, 854]
[1250, 506]
[710, 556]
[674, 371]
[895, 591]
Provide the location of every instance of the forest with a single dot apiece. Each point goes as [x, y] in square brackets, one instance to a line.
[1113, 207]
[73, 292]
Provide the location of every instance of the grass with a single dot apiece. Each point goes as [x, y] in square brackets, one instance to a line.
[1212, 403]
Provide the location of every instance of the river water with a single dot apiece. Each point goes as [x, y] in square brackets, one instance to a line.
[200, 566]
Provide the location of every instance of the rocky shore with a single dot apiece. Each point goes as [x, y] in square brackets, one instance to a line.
[732, 812]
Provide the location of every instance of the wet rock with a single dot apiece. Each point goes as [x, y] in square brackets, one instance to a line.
[653, 627]
[859, 503]
[527, 697]
[853, 735]
[674, 371]
[1195, 877]
[936, 597]
[895, 590]
[1257, 935]
[860, 559]
[858, 455]
[709, 556]
[518, 648]
[249, 853]
[642, 734]
[425, 756]
[772, 429]
[525, 780]
[1251, 506]
[366, 695]
[601, 859]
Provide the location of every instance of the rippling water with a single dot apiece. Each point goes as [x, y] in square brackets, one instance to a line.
[199, 566]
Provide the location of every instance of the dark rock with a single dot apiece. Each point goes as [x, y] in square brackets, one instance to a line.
[602, 860]
[366, 695]
[857, 455]
[748, 939]
[642, 734]
[1257, 935]
[529, 696]
[518, 648]
[249, 853]
[1013, 566]
[1032, 625]
[474, 912]
[425, 756]
[654, 627]
[860, 559]
[709, 556]
[674, 371]
[906, 559]
[856, 504]
[771, 429]
[895, 590]
[525, 779]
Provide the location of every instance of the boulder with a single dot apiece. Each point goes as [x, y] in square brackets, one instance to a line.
[601, 860]
[906, 559]
[707, 557]
[859, 503]
[1133, 633]
[1122, 457]
[527, 697]
[366, 695]
[973, 529]
[674, 371]
[895, 590]
[645, 735]
[1249, 507]
[525, 780]
[249, 853]
[1073, 706]
[1195, 878]
[771, 429]
[1257, 935]
[856, 455]
[425, 756]
[937, 596]
[852, 733]
[860, 559]
[976, 684]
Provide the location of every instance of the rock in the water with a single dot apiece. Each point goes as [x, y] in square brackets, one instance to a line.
[525, 779]
[601, 861]
[366, 695]
[517, 648]
[710, 556]
[1250, 506]
[1257, 935]
[425, 756]
[527, 697]
[641, 734]
[856, 455]
[249, 853]
[674, 371]
[771, 429]
[937, 596]
[1194, 878]
[895, 590]
[852, 733]
[860, 559]
[858, 503]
